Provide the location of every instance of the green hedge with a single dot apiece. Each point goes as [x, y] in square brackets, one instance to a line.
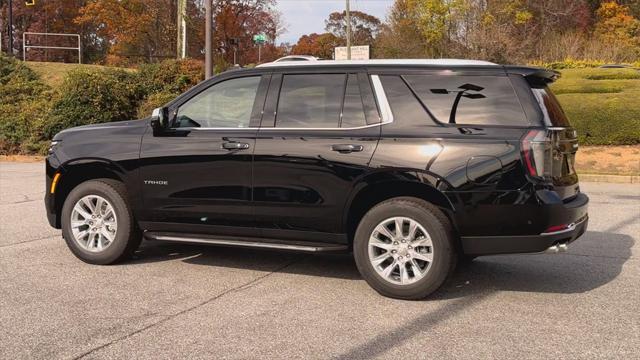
[576, 64]
[24, 108]
[91, 97]
[602, 104]
[31, 112]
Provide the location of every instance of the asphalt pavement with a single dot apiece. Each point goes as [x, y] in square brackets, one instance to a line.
[177, 301]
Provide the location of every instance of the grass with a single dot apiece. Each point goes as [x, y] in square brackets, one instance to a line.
[615, 160]
[53, 73]
[602, 104]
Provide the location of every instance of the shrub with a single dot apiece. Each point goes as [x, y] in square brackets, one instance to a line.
[614, 74]
[24, 105]
[91, 97]
[153, 101]
[172, 76]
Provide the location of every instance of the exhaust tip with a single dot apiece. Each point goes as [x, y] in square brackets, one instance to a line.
[554, 249]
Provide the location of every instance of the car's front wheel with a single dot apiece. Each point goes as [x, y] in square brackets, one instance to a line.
[98, 224]
[403, 248]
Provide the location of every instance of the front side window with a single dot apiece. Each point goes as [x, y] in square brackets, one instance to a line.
[310, 101]
[469, 100]
[227, 104]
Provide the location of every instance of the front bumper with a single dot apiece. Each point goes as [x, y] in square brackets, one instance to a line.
[573, 213]
[50, 199]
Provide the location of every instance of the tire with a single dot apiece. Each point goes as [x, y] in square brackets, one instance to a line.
[118, 223]
[430, 220]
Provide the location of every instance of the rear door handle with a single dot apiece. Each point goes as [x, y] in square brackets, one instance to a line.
[346, 148]
[235, 146]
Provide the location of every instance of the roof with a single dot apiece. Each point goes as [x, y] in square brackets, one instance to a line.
[437, 62]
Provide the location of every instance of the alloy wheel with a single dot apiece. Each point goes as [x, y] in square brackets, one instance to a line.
[93, 223]
[400, 250]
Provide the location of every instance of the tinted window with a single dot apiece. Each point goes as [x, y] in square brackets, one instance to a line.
[353, 108]
[553, 113]
[404, 104]
[225, 104]
[470, 100]
[310, 101]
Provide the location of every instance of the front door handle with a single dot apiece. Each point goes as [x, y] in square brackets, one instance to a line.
[235, 146]
[346, 148]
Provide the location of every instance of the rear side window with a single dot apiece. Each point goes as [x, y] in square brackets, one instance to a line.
[553, 113]
[310, 101]
[469, 100]
[403, 104]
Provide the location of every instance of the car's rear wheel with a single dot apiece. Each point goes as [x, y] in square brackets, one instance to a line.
[403, 248]
[98, 224]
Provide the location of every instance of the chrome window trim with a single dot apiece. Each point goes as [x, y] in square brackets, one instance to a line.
[378, 91]
[383, 102]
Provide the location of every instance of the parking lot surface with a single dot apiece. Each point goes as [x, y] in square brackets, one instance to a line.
[178, 300]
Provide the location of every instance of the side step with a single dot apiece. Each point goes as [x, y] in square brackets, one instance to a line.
[247, 242]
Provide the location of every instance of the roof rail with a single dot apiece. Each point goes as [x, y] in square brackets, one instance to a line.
[441, 62]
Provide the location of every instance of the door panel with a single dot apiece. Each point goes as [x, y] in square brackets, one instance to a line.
[191, 178]
[317, 138]
[301, 184]
[196, 177]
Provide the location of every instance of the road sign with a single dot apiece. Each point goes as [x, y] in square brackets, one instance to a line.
[357, 52]
[260, 38]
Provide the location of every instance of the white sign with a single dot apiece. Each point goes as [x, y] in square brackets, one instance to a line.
[357, 52]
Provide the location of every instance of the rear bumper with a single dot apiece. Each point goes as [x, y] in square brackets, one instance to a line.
[573, 213]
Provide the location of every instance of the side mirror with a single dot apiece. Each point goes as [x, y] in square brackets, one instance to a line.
[159, 119]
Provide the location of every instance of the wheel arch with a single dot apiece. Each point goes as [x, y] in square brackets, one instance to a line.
[368, 194]
[78, 171]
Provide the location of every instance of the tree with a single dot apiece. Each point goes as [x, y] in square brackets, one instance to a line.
[400, 38]
[619, 29]
[52, 16]
[241, 19]
[615, 23]
[364, 27]
[318, 45]
[134, 29]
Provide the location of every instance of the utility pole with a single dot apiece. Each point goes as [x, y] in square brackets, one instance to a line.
[182, 29]
[348, 32]
[208, 57]
[10, 30]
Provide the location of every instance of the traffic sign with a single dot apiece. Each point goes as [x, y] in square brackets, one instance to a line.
[260, 38]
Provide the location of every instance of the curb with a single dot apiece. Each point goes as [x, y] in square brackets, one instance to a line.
[618, 179]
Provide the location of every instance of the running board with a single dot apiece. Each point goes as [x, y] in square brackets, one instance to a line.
[247, 242]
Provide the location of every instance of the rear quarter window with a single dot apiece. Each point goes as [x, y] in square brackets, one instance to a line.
[469, 100]
[551, 110]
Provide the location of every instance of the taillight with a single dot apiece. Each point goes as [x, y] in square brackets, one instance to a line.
[536, 152]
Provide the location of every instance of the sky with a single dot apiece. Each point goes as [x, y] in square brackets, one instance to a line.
[308, 16]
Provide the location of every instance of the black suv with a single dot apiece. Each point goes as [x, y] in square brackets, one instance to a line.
[410, 164]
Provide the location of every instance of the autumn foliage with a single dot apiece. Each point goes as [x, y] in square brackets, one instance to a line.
[128, 32]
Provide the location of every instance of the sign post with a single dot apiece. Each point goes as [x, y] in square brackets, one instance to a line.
[259, 39]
